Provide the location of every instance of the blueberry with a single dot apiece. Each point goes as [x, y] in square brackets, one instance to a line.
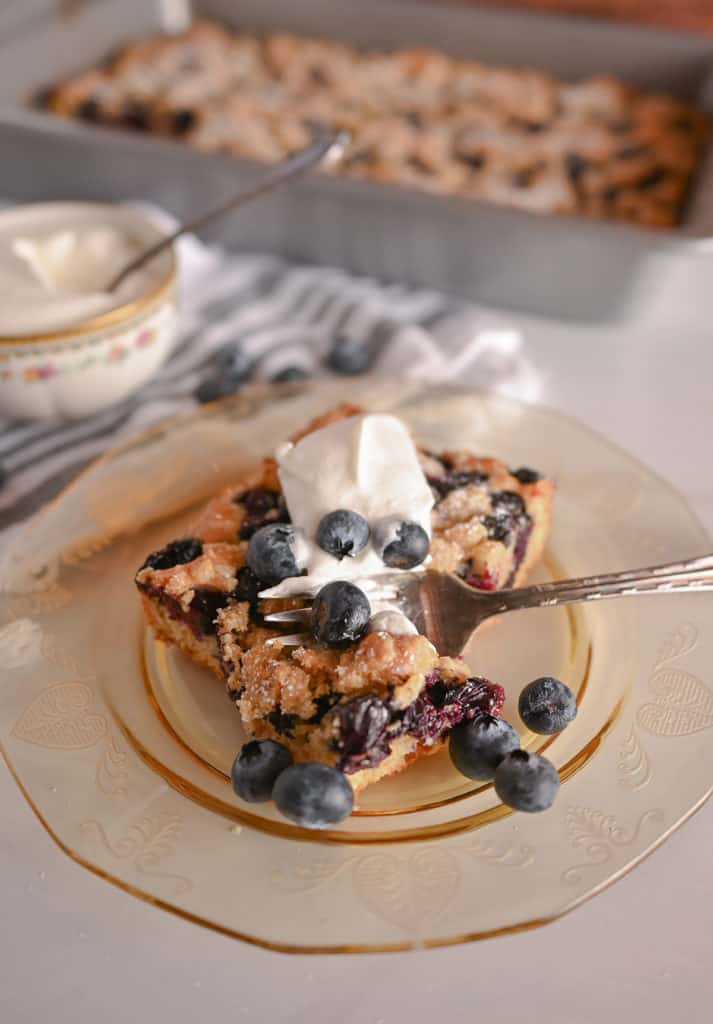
[631, 152]
[290, 374]
[43, 97]
[313, 795]
[526, 782]
[478, 747]
[232, 361]
[178, 552]
[576, 167]
[652, 178]
[204, 607]
[89, 109]
[256, 769]
[182, 121]
[546, 706]
[343, 533]
[499, 528]
[362, 738]
[136, 115]
[261, 507]
[524, 177]
[247, 586]
[524, 532]
[340, 614]
[258, 501]
[507, 503]
[475, 161]
[526, 475]
[533, 127]
[453, 480]
[282, 721]
[271, 553]
[441, 705]
[231, 368]
[213, 388]
[349, 355]
[400, 543]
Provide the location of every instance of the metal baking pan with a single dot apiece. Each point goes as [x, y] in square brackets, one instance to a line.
[566, 267]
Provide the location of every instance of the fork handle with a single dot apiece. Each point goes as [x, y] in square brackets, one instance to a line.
[695, 574]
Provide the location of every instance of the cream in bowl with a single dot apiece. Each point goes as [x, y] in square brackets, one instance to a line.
[68, 347]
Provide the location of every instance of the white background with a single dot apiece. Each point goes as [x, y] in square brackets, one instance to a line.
[75, 949]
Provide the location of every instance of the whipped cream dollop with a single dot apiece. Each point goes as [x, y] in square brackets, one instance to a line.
[54, 279]
[367, 464]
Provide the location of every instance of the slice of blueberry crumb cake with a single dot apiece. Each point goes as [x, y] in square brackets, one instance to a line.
[346, 499]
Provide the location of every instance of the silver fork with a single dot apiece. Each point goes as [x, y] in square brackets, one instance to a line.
[447, 611]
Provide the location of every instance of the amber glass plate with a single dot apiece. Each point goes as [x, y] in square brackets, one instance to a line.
[122, 747]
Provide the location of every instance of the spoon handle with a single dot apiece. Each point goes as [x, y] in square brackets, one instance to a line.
[325, 144]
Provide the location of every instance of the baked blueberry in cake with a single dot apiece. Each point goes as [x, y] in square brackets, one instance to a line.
[348, 499]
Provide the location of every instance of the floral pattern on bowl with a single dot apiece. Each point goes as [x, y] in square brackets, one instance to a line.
[79, 371]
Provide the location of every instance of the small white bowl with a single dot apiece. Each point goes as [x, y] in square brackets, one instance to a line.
[79, 370]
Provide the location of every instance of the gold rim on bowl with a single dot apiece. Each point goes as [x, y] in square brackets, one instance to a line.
[125, 312]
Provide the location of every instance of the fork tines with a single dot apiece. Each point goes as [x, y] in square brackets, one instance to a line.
[296, 615]
[289, 640]
[378, 589]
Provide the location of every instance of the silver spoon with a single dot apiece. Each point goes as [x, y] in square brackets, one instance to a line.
[325, 145]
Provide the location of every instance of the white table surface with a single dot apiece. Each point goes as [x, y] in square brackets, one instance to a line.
[74, 949]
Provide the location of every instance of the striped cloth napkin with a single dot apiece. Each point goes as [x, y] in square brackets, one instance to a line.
[257, 317]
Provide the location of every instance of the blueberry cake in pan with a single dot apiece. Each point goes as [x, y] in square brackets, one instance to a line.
[419, 118]
[371, 700]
